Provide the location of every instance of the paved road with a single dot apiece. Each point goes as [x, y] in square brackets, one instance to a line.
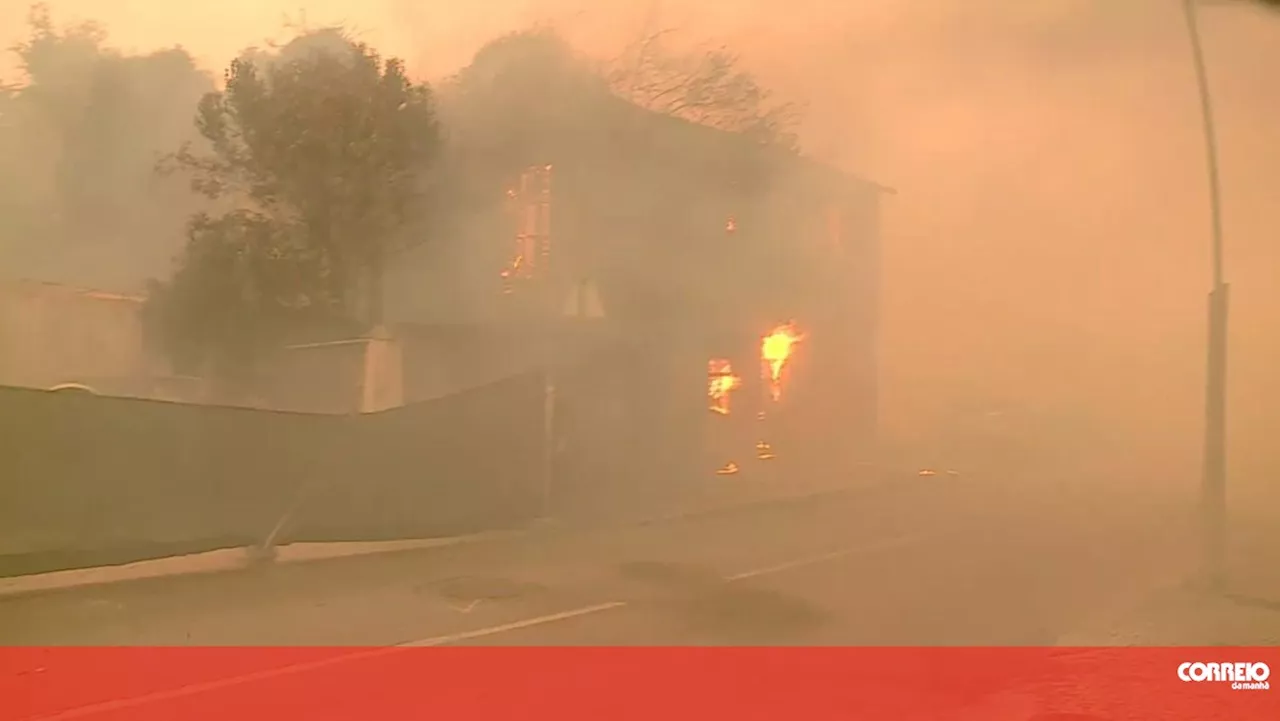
[921, 562]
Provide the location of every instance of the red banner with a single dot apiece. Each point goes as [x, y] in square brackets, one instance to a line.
[706, 684]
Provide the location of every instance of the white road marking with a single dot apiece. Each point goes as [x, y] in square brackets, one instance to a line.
[831, 556]
[513, 626]
[467, 608]
[195, 688]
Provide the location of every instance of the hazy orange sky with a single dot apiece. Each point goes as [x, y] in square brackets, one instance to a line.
[1049, 239]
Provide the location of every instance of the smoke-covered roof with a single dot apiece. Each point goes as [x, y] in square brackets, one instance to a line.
[640, 200]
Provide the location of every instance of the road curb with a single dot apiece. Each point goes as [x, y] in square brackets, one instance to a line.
[230, 560]
[224, 560]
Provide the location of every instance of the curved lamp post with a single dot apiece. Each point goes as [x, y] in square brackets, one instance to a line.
[1215, 457]
[1214, 472]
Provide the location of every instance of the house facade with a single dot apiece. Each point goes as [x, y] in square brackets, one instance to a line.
[631, 253]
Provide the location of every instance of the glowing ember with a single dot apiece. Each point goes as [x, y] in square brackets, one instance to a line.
[529, 204]
[764, 451]
[727, 469]
[775, 350]
[721, 382]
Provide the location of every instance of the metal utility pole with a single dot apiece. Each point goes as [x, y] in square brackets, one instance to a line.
[1214, 500]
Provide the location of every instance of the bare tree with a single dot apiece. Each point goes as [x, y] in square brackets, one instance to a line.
[708, 87]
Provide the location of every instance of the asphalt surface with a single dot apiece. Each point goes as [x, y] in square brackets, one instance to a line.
[921, 561]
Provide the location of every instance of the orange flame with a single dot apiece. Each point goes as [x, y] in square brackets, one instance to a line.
[776, 349]
[530, 206]
[764, 451]
[721, 381]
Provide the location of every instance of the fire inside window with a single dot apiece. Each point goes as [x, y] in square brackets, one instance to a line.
[721, 383]
[530, 205]
[777, 348]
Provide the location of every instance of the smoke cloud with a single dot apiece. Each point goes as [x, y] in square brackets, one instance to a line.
[1047, 251]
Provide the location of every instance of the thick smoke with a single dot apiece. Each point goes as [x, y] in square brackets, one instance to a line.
[1047, 253]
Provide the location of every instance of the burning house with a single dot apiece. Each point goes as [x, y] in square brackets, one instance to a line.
[708, 304]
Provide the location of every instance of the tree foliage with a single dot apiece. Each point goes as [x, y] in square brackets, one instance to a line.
[317, 159]
[82, 134]
[518, 88]
[241, 282]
